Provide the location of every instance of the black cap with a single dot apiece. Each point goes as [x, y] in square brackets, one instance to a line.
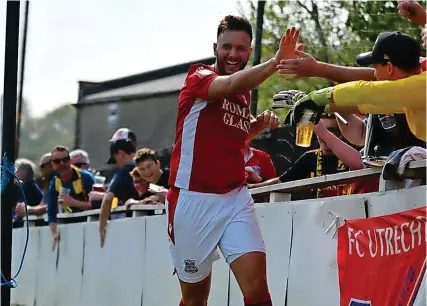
[123, 139]
[395, 47]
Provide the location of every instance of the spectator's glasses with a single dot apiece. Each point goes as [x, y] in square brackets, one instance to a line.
[138, 182]
[79, 165]
[61, 160]
[44, 165]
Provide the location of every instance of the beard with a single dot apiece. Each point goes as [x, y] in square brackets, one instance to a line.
[222, 66]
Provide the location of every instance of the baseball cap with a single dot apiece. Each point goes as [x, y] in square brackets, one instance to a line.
[395, 47]
[122, 139]
[123, 134]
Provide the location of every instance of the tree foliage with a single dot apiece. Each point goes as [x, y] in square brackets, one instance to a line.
[332, 31]
[40, 135]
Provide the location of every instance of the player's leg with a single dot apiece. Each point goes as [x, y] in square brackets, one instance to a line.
[193, 241]
[250, 272]
[243, 247]
[195, 294]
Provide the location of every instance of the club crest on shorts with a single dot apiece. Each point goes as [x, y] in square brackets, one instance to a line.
[190, 266]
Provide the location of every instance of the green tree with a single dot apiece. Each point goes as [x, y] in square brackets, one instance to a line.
[40, 135]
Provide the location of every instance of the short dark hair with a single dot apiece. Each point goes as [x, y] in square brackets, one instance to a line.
[135, 174]
[144, 154]
[234, 23]
[61, 148]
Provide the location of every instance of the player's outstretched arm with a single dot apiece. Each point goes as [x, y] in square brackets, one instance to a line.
[307, 66]
[246, 80]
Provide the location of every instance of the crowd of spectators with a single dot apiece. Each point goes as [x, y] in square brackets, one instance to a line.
[384, 117]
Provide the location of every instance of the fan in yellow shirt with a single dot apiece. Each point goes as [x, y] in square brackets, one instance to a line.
[395, 57]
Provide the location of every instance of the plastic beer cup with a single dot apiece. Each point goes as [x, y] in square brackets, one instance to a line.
[64, 191]
[304, 129]
[99, 184]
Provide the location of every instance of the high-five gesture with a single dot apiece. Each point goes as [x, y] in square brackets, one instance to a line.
[288, 45]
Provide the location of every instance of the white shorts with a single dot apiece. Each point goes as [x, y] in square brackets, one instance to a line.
[198, 223]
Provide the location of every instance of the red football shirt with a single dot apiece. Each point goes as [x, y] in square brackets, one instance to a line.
[207, 155]
[261, 162]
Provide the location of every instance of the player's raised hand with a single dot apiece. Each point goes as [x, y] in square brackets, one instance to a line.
[288, 45]
[268, 119]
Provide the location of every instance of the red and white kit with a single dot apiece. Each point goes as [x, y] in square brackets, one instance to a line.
[209, 205]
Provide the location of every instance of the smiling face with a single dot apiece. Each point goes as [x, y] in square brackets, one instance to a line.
[232, 51]
[61, 162]
[149, 170]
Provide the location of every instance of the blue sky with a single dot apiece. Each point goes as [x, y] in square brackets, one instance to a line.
[95, 40]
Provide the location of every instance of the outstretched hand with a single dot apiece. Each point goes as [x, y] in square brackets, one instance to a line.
[288, 45]
[413, 11]
[305, 66]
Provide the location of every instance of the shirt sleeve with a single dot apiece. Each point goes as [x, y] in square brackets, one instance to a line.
[36, 194]
[198, 82]
[115, 185]
[52, 202]
[268, 171]
[88, 182]
[383, 97]
[298, 171]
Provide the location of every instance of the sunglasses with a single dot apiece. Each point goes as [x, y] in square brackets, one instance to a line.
[79, 165]
[44, 165]
[61, 160]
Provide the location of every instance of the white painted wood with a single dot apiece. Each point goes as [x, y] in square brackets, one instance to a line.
[69, 276]
[126, 246]
[395, 201]
[276, 225]
[279, 197]
[158, 265]
[313, 256]
[25, 292]
[46, 269]
[97, 282]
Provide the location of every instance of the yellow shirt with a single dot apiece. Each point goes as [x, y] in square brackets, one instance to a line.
[406, 96]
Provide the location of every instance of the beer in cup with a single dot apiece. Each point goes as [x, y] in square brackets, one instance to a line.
[304, 130]
[63, 191]
[99, 184]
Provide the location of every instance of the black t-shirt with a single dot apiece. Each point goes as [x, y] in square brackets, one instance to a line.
[305, 167]
[163, 182]
[122, 184]
[390, 133]
[164, 179]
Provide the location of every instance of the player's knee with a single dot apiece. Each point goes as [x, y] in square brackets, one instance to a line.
[255, 286]
[195, 301]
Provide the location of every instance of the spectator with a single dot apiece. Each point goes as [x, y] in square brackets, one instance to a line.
[148, 166]
[46, 172]
[406, 93]
[328, 159]
[33, 193]
[142, 186]
[122, 152]
[80, 159]
[259, 166]
[79, 183]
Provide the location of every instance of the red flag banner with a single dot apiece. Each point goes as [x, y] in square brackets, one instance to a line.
[382, 260]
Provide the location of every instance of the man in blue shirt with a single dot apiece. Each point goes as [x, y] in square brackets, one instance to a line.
[122, 152]
[77, 181]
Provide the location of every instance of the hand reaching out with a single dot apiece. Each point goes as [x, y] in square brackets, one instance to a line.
[288, 46]
[305, 66]
[413, 11]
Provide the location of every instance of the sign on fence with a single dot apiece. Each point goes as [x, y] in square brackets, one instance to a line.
[382, 260]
